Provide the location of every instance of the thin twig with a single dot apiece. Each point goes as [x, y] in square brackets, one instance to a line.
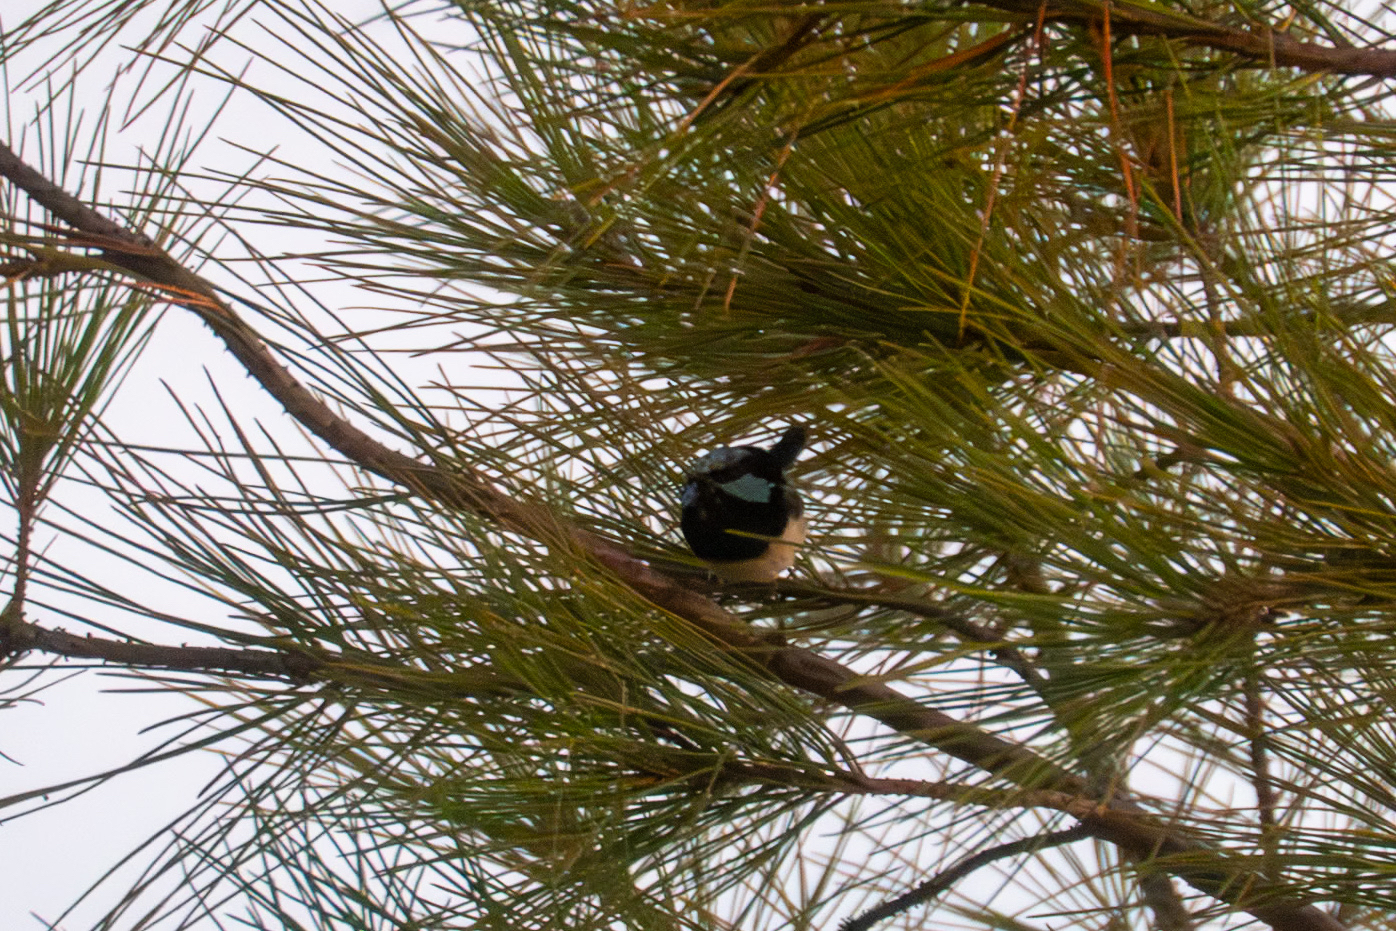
[942, 881]
[268, 664]
[1261, 780]
[1009, 656]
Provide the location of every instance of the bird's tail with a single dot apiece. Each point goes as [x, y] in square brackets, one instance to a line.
[789, 446]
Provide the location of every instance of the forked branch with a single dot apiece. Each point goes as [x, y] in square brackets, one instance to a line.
[1119, 821]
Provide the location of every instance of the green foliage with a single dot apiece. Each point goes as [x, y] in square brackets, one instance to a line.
[1091, 337]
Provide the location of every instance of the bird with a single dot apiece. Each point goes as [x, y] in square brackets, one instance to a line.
[739, 515]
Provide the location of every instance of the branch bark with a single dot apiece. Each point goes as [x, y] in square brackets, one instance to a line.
[258, 664]
[1268, 46]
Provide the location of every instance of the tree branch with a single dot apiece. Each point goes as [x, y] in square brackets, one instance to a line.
[258, 664]
[766, 650]
[1268, 46]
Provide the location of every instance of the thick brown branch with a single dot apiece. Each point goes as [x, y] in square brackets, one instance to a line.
[1269, 47]
[794, 666]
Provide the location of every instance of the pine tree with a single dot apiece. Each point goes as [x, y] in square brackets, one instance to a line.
[1082, 305]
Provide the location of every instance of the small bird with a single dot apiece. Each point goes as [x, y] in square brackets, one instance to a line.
[742, 489]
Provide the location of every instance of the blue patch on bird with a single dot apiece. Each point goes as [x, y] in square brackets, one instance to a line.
[749, 488]
[690, 494]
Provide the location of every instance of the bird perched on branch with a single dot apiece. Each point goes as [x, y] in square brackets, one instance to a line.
[739, 516]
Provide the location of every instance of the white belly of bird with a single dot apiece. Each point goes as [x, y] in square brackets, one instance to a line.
[779, 556]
